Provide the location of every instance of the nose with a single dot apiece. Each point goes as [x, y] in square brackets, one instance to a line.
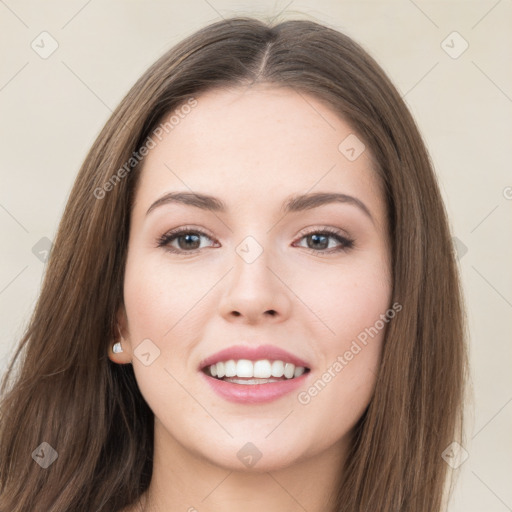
[255, 292]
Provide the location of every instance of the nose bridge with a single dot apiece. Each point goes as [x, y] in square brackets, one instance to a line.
[254, 288]
[252, 263]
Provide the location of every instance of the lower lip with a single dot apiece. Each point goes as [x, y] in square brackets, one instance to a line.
[254, 393]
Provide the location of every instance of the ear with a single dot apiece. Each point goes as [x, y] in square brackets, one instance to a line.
[121, 336]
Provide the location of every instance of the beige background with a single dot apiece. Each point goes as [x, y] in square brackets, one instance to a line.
[52, 109]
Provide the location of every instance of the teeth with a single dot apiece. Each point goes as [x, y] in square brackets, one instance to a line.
[289, 370]
[243, 368]
[261, 369]
[299, 370]
[230, 369]
[251, 381]
[277, 369]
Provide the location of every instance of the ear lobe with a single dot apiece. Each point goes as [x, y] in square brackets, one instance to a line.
[119, 352]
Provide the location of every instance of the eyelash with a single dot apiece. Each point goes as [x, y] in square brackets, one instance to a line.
[346, 243]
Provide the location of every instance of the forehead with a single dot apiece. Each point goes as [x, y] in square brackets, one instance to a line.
[254, 144]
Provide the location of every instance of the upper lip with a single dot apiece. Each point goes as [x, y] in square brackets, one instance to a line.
[237, 352]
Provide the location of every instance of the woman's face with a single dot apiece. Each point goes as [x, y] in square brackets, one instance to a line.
[257, 273]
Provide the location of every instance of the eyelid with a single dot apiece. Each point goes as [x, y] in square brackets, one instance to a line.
[175, 232]
[188, 228]
[342, 237]
[320, 229]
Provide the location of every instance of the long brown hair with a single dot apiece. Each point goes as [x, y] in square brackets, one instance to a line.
[67, 393]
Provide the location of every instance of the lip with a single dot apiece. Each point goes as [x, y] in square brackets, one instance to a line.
[237, 352]
[254, 393]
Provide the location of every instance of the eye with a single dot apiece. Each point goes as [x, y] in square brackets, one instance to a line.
[188, 240]
[319, 241]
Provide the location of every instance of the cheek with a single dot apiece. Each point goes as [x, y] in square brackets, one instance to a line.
[157, 295]
[345, 299]
[354, 308]
[157, 299]
[167, 304]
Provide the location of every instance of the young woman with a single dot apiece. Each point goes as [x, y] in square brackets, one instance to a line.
[252, 297]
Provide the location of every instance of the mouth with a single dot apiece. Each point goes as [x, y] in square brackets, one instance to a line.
[251, 383]
[247, 372]
[252, 375]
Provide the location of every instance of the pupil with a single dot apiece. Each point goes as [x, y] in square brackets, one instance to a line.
[187, 237]
[316, 237]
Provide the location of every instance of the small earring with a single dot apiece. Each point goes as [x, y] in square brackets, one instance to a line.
[116, 348]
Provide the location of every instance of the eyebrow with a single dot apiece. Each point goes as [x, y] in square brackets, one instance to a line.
[296, 203]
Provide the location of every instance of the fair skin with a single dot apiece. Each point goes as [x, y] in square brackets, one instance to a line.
[253, 148]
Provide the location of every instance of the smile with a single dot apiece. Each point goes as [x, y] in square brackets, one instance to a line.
[248, 382]
[245, 371]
